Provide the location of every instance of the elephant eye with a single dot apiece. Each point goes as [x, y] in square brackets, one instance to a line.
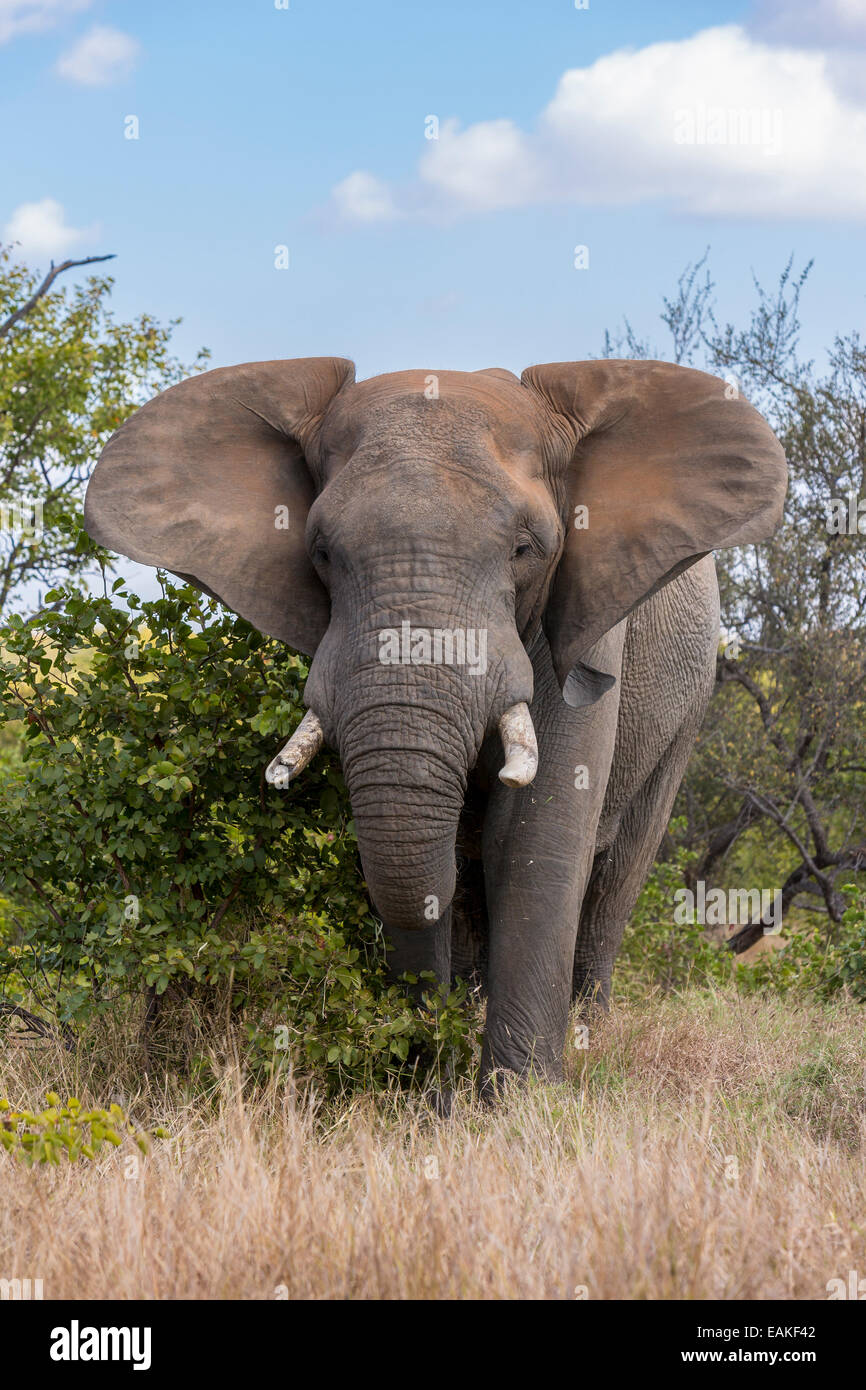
[320, 553]
[522, 549]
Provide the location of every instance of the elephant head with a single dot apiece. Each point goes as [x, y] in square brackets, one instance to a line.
[415, 533]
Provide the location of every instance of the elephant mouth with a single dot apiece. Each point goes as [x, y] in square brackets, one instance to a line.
[515, 728]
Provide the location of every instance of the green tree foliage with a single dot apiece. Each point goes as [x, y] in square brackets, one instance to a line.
[69, 374]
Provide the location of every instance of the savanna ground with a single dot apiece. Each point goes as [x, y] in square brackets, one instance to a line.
[705, 1145]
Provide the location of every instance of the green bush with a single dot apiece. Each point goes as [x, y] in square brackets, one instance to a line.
[821, 961]
[144, 854]
[66, 1130]
[659, 952]
[850, 971]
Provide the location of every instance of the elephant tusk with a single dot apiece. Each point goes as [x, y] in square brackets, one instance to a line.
[521, 749]
[298, 753]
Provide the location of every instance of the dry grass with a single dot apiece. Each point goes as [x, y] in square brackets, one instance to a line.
[702, 1148]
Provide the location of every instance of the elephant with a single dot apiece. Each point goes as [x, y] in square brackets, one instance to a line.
[471, 559]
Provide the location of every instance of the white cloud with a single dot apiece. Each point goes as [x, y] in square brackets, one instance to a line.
[489, 164]
[621, 128]
[42, 230]
[363, 198]
[820, 22]
[102, 56]
[721, 123]
[33, 16]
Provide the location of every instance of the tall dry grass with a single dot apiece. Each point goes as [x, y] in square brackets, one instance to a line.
[703, 1147]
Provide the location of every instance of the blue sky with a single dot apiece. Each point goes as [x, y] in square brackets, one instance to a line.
[304, 127]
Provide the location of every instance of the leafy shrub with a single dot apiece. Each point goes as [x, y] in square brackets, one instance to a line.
[66, 1130]
[335, 1008]
[659, 951]
[144, 852]
[851, 964]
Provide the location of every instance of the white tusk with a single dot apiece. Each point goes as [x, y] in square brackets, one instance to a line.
[298, 753]
[521, 749]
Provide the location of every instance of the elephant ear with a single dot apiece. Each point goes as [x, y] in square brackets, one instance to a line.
[209, 480]
[669, 463]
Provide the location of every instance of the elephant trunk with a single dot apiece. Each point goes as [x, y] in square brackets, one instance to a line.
[409, 719]
[406, 774]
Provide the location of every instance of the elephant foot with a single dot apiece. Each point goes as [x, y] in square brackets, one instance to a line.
[591, 992]
[496, 1084]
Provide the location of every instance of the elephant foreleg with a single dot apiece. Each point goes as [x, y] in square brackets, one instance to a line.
[538, 849]
[533, 926]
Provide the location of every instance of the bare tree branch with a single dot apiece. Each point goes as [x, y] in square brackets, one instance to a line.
[46, 286]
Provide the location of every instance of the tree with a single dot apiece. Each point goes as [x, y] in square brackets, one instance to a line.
[69, 374]
[783, 750]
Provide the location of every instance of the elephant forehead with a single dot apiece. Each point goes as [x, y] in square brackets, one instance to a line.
[414, 409]
[370, 503]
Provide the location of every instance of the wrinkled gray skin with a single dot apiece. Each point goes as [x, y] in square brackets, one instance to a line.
[456, 513]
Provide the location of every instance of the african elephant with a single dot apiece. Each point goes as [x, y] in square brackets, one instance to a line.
[451, 548]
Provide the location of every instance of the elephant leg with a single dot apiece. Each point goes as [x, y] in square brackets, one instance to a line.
[533, 930]
[619, 873]
[539, 843]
